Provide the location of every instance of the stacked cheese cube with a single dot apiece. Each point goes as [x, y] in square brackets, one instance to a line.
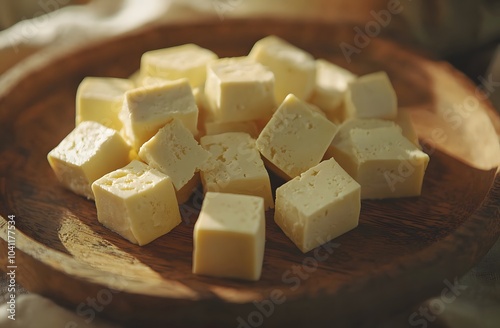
[142, 145]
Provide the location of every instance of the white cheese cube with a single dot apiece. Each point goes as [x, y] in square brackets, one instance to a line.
[341, 144]
[384, 163]
[174, 151]
[317, 206]
[239, 89]
[236, 167]
[296, 138]
[147, 109]
[185, 61]
[294, 69]
[371, 96]
[100, 99]
[137, 202]
[229, 237]
[331, 84]
[86, 154]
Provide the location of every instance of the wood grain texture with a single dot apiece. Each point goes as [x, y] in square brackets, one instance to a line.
[400, 253]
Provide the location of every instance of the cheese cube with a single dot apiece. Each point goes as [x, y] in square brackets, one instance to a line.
[175, 152]
[229, 237]
[294, 69]
[296, 137]
[331, 84]
[150, 81]
[137, 202]
[236, 167]
[185, 61]
[147, 109]
[239, 89]
[250, 127]
[100, 99]
[341, 144]
[384, 163]
[371, 96]
[317, 206]
[86, 154]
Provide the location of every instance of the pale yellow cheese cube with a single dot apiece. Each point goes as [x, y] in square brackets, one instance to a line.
[137, 202]
[239, 89]
[294, 69]
[174, 151]
[100, 99]
[250, 127]
[236, 167]
[86, 154]
[184, 61]
[341, 144]
[229, 237]
[317, 206]
[296, 137]
[371, 96]
[147, 109]
[384, 163]
[331, 84]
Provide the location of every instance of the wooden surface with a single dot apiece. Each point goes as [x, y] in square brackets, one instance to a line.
[399, 255]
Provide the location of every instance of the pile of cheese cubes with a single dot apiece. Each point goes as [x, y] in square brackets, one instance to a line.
[142, 145]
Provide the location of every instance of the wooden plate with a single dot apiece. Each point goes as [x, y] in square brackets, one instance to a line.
[400, 254]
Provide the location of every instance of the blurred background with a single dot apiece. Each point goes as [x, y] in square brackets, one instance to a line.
[465, 33]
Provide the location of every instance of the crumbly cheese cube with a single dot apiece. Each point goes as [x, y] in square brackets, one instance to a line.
[317, 206]
[86, 154]
[294, 69]
[331, 84]
[384, 163]
[137, 202]
[239, 89]
[185, 61]
[250, 127]
[296, 137]
[174, 151]
[147, 109]
[404, 121]
[371, 96]
[100, 99]
[236, 167]
[229, 237]
[341, 144]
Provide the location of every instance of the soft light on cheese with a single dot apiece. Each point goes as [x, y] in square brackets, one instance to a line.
[100, 99]
[317, 206]
[86, 154]
[137, 202]
[174, 151]
[147, 109]
[185, 61]
[371, 96]
[296, 138]
[331, 84]
[236, 167]
[294, 69]
[239, 89]
[229, 237]
[383, 162]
